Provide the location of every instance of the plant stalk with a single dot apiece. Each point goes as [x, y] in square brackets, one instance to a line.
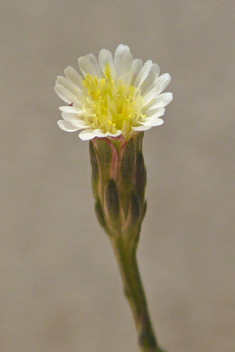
[134, 291]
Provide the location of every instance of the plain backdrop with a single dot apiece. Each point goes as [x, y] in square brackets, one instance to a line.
[59, 285]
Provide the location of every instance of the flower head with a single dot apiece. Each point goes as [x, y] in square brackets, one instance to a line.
[114, 96]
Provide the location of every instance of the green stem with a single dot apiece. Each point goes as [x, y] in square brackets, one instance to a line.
[134, 291]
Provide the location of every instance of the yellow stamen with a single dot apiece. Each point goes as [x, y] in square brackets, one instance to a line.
[111, 105]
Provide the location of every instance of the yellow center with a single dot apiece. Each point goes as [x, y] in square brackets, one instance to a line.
[111, 105]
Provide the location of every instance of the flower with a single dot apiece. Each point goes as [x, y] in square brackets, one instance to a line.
[114, 96]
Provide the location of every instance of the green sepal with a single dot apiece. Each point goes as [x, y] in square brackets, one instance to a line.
[134, 211]
[100, 214]
[127, 166]
[105, 153]
[103, 163]
[140, 176]
[95, 169]
[112, 204]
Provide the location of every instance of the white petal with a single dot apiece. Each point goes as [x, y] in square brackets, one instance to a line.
[73, 76]
[157, 87]
[59, 89]
[119, 53]
[141, 128]
[163, 81]
[156, 112]
[66, 95]
[153, 75]
[162, 100]
[151, 96]
[136, 67]
[143, 74]
[125, 69]
[152, 122]
[118, 133]
[105, 57]
[87, 135]
[158, 122]
[66, 126]
[113, 135]
[74, 119]
[69, 85]
[86, 66]
[160, 84]
[71, 109]
[68, 116]
[95, 64]
[99, 133]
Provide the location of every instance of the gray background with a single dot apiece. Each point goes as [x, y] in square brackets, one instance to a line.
[60, 287]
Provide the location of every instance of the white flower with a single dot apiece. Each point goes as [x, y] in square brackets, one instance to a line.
[113, 96]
